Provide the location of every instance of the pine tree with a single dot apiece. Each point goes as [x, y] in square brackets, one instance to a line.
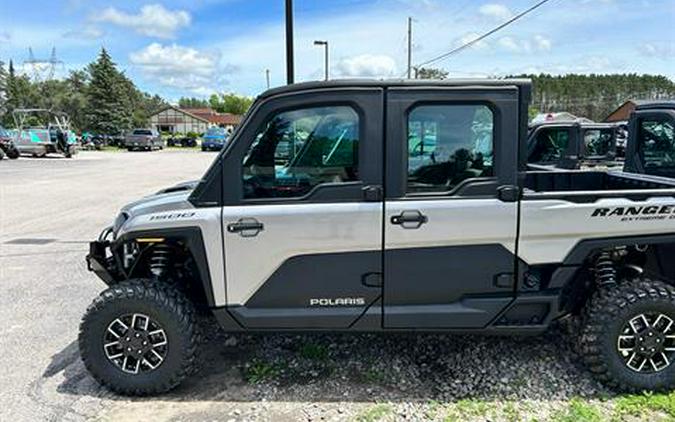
[108, 109]
[3, 88]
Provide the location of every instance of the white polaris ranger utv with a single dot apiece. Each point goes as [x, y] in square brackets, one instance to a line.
[387, 206]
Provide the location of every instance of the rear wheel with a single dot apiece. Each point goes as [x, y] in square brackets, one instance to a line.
[139, 338]
[628, 337]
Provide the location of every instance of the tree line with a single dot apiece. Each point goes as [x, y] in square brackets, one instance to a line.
[593, 96]
[222, 103]
[98, 98]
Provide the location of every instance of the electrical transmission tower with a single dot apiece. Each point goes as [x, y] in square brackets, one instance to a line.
[42, 69]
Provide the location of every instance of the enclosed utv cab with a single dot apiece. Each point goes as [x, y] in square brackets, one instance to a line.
[386, 206]
[651, 143]
[573, 145]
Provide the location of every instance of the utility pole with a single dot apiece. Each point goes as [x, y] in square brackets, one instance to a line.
[289, 42]
[325, 56]
[409, 47]
[267, 77]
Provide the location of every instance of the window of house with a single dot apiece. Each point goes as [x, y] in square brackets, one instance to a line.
[299, 149]
[448, 144]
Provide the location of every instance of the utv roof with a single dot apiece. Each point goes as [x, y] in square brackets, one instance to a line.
[650, 105]
[397, 83]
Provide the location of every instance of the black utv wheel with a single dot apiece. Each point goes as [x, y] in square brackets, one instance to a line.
[628, 336]
[139, 338]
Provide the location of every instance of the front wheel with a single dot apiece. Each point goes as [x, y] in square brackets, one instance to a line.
[628, 337]
[139, 338]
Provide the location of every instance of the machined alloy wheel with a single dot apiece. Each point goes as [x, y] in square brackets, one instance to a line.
[135, 343]
[628, 335]
[139, 337]
[647, 342]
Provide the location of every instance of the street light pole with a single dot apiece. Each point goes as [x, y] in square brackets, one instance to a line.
[409, 47]
[325, 51]
[267, 77]
[289, 42]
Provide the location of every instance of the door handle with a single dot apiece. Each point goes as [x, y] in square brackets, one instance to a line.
[246, 227]
[411, 219]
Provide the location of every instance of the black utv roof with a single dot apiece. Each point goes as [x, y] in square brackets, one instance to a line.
[656, 104]
[397, 83]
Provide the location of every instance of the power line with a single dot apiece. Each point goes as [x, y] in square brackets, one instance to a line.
[485, 35]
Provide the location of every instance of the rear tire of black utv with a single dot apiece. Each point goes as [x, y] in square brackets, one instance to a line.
[606, 314]
[164, 304]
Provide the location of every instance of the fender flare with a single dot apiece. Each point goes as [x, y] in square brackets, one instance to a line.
[193, 240]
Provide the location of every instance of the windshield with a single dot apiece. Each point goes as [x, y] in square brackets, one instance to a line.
[215, 131]
[142, 132]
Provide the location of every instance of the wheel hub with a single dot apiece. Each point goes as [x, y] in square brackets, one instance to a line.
[647, 343]
[135, 343]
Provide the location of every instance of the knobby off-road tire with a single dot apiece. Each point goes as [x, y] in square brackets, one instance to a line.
[167, 309]
[609, 315]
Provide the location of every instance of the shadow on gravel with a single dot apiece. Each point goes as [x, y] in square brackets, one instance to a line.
[367, 368]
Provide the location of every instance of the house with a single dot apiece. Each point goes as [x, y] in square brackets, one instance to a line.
[622, 113]
[183, 120]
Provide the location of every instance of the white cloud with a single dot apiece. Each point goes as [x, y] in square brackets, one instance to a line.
[366, 65]
[467, 38]
[495, 11]
[180, 67]
[542, 43]
[658, 50]
[86, 33]
[153, 20]
[538, 43]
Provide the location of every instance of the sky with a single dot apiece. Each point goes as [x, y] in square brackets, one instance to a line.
[178, 48]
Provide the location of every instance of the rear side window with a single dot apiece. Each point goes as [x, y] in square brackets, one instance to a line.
[300, 149]
[599, 142]
[656, 145]
[448, 144]
[550, 145]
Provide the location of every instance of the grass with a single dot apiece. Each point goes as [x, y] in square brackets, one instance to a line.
[259, 371]
[314, 351]
[578, 411]
[641, 405]
[375, 413]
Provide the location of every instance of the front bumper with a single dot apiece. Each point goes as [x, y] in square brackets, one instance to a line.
[99, 260]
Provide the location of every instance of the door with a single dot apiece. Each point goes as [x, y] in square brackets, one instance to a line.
[450, 207]
[651, 145]
[302, 220]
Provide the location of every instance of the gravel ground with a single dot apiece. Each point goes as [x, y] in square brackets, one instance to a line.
[271, 377]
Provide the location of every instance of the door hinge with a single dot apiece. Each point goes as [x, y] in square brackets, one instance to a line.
[372, 279]
[504, 280]
[508, 193]
[373, 193]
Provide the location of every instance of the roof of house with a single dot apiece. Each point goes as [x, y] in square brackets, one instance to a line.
[207, 115]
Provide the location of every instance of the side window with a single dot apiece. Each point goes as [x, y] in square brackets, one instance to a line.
[598, 142]
[656, 144]
[448, 144]
[550, 145]
[297, 150]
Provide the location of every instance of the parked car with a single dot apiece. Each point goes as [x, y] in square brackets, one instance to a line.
[214, 139]
[7, 147]
[342, 234]
[143, 139]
